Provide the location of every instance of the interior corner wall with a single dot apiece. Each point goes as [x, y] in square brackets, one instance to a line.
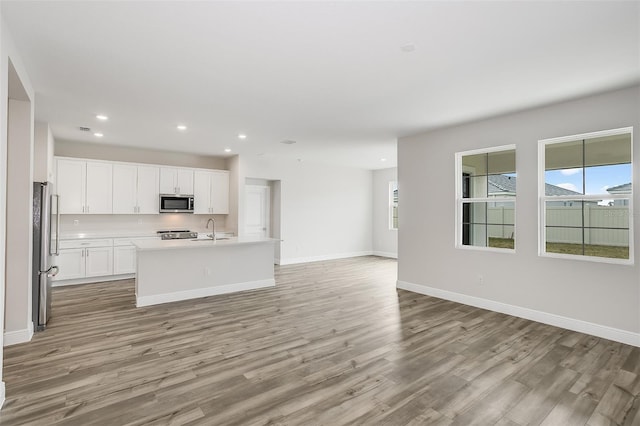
[7, 50]
[385, 240]
[601, 298]
[325, 210]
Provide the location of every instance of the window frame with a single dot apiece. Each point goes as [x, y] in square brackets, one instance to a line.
[459, 200]
[543, 198]
[392, 184]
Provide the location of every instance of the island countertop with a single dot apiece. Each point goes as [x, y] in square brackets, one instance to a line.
[199, 243]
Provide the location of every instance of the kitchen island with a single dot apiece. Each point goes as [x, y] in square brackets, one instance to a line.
[169, 271]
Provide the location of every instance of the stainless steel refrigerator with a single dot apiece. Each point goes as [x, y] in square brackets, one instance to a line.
[46, 221]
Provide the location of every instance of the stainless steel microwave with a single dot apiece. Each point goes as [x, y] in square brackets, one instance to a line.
[173, 203]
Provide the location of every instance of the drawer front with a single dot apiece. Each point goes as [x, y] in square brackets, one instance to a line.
[103, 242]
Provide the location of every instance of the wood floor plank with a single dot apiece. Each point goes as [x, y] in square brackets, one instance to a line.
[334, 343]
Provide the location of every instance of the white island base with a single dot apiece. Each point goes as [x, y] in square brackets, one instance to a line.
[168, 271]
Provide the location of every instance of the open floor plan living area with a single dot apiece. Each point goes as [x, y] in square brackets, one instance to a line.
[307, 213]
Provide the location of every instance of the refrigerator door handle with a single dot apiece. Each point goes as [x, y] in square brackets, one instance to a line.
[57, 252]
[52, 272]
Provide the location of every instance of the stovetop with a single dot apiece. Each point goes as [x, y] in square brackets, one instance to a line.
[181, 234]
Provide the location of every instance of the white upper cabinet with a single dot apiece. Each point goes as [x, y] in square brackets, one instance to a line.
[104, 187]
[71, 181]
[135, 189]
[84, 187]
[125, 178]
[148, 193]
[174, 180]
[99, 187]
[220, 192]
[211, 192]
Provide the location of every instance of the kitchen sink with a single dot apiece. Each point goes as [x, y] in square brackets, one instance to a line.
[211, 239]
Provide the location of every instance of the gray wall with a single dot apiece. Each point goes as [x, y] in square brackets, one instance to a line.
[598, 293]
[137, 155]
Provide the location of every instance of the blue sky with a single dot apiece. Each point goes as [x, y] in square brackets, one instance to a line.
[598, 179]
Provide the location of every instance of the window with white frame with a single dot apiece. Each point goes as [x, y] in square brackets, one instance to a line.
[486, 198]
[393, 205]
[586, 196]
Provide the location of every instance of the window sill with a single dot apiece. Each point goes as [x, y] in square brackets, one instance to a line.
[582, 258]
[486, 249]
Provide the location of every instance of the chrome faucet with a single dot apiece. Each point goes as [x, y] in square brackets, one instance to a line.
[213, 227]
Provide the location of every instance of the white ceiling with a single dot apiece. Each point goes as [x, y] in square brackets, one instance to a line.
[330, 75]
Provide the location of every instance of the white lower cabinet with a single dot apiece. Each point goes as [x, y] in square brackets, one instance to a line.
[84, 258]
[96, 259]
[70, 263]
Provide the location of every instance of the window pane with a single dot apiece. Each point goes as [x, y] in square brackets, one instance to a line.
[596, 216]
[474, 186]
[564, 213]
[611, 243]
[501, 185]
[475, 164]
[501, 213]
[607, 150]
[501, 236]
[502, 162]
[564, 168]
[563, 156]
[474, 212]
[477, 234]
[564, 182]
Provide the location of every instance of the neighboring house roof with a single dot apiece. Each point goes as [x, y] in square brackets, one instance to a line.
[624, 188]
[504, 185]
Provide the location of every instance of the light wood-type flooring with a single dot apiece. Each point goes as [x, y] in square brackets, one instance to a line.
[333, 343]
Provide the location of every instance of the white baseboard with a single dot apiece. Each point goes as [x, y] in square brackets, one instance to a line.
[202, 292]
[295, 260]
[18, 336]
[91, 280]
[385, 254]
[2, 394]
[606, 332]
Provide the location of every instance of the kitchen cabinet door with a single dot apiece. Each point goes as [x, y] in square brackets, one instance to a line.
[70, 184]
[220, 192]
[148, 194]
[99, 195]
[184, 181]
[202, 192]
[70, 263]
[124, 260]
[168, 178]
[99, 261]
[124, 189]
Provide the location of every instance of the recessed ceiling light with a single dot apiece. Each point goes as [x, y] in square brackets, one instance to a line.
[102, 117]
[98, 135]
[410, 47]
[288, 142]
[227, 150]
[181, 127]
[242, 136]
[383, 159]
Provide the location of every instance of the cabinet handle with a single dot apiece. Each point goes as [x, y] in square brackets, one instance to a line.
[82, 209]
[87, 252]
[82, 253]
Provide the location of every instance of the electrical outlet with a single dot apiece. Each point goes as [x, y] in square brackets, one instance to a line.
[139, 221]
[207, 271]
[480, 279]
[76, 222]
